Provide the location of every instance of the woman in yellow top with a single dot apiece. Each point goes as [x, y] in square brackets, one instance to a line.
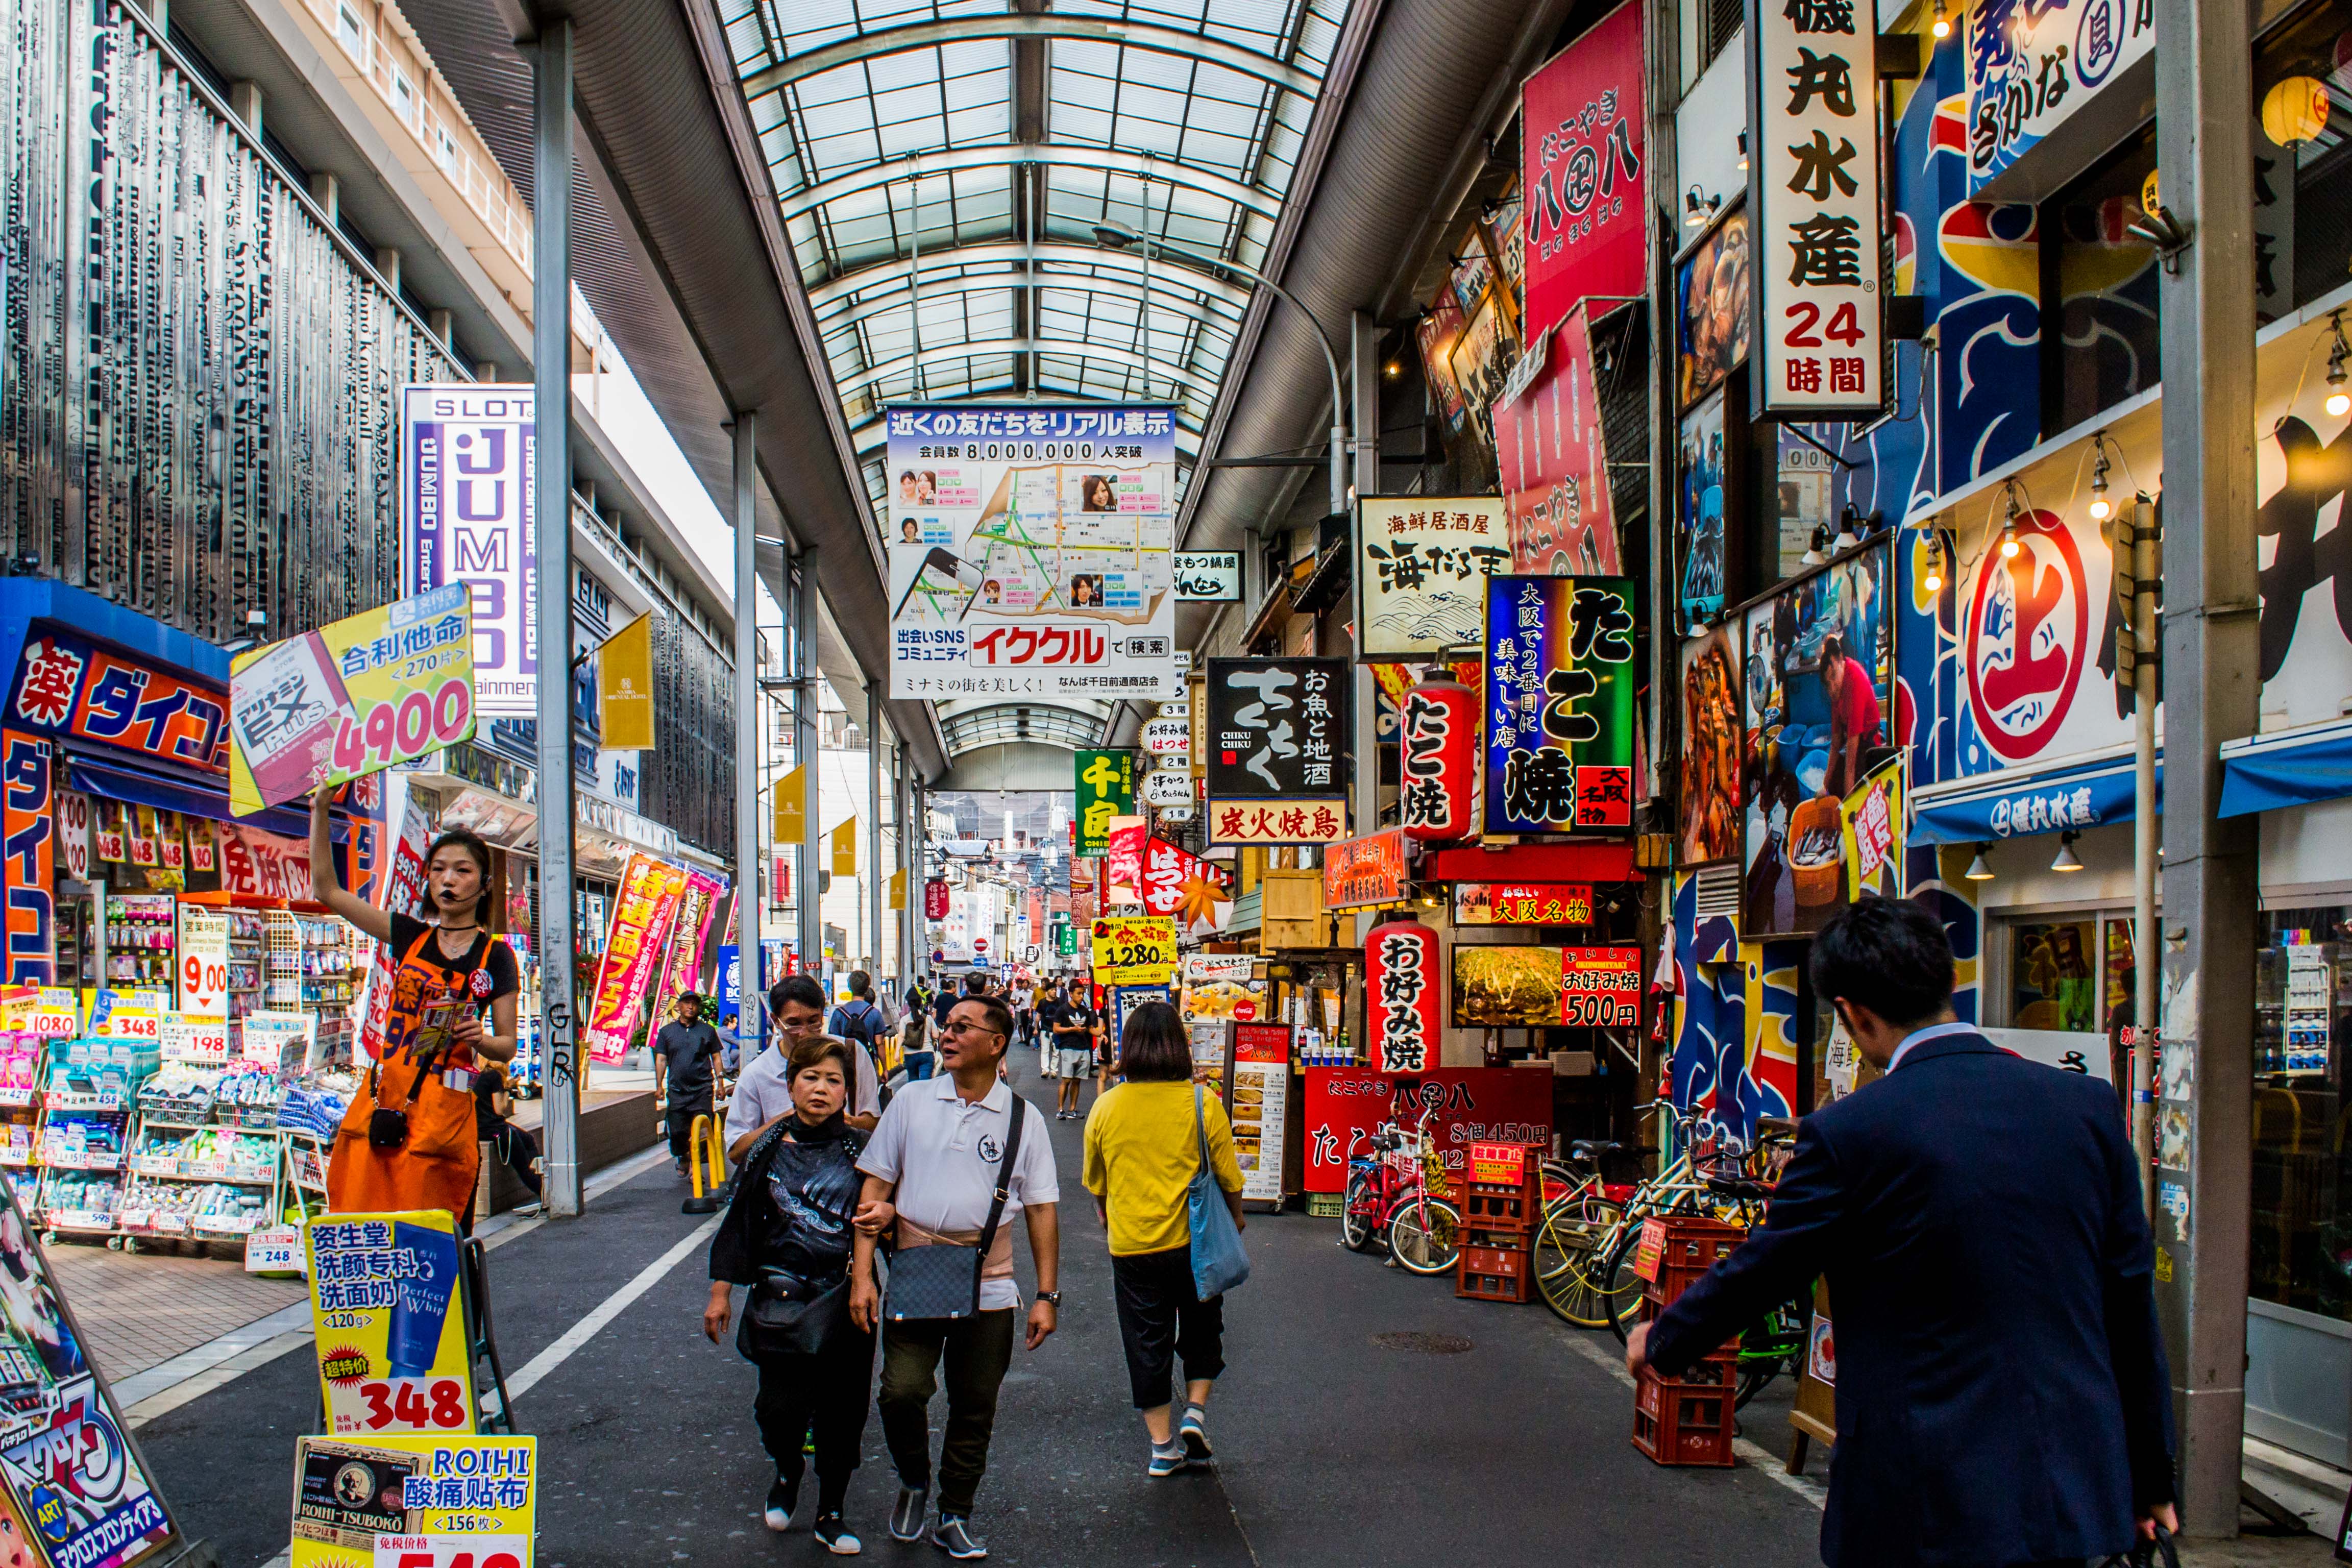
[1142, 1149]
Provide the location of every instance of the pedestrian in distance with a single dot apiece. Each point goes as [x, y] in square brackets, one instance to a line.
[786, 1237]
[762, 1094]
[2002, 1393]
[686, 1060]
[956, 1159]
[1145, 1140]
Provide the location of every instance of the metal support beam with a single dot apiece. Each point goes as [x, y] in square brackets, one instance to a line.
[751, 1019]
[1181, 42]
[804, 754]
[551, 352]
[2204, 112]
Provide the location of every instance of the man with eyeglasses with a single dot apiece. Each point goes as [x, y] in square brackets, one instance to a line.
[934, 1167]
[764, 1092]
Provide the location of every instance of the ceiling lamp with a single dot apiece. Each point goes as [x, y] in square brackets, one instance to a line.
[2067, 860]
[1980, 869]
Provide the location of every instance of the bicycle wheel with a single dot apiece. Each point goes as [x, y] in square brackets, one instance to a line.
[1623, 1288]
[1565, 1241]
[1357, 1211]
[1426, 1238]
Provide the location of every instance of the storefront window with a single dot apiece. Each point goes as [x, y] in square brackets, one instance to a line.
[2302, 1240]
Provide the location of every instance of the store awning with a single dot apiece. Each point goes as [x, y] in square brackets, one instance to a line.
[2069, 799]
[189, 797]
[2296, 768]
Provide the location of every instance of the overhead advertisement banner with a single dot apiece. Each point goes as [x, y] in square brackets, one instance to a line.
[1812, 196]
[1584, 169]
[464, 516]
[1029, 551]
[1278, 727]
[1422, 563]
[1555, 465]
[1559, 704]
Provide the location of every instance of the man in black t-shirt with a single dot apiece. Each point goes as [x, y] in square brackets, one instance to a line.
[685, 1055]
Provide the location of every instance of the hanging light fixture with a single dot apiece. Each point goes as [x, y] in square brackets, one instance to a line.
[1814, 556]
[2067, 860]
[2339, 401]
[2008, 544]
[2102, 508]
[1943, 25]
[1980, 869]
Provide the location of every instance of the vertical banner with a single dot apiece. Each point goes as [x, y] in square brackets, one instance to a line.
[697, 903]
[1555, 463]
[464, 516]
[28, 784]
[650, 892]
[1106, 789]
[1559, 704]
[624, 688]
[1813, 196]
[1583, 173]
[1030, 551]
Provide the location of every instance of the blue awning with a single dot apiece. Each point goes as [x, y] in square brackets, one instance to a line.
[2292, 769]
[188, 796]
[2011, 808]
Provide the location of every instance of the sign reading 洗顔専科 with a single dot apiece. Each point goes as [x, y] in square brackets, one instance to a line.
[1812, 203]
[466, 461]
[1029, 551]
[1559, 704]
[1583, 172]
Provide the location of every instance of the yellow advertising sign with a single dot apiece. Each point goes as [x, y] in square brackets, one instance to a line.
[1135, 950]
[898, 888]
[791, 808]
[624, 687]
[355, 697]
[413, 1501]
[389, 1325]
[845, 848]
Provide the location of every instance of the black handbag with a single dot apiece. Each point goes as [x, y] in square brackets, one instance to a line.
[942, 1279]
[788, 1316]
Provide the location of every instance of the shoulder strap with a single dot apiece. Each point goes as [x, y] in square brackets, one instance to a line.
[1004, 1168]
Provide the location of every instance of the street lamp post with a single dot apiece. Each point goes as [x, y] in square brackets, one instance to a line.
[1119, 236]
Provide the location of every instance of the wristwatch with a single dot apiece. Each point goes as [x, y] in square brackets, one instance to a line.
[1051, 1298]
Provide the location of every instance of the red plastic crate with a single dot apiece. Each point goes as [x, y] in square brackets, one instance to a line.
[1677, 1423]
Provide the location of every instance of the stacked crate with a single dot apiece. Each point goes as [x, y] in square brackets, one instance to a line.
[1685, 1420]
[1502, 1198]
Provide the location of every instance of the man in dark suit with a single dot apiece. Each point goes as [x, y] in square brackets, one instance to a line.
[2003, 1396]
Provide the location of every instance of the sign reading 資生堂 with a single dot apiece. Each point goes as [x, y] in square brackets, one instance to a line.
[389, 1324]
[411, 1501]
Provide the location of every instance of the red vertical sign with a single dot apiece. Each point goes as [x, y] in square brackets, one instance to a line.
[1585, 162]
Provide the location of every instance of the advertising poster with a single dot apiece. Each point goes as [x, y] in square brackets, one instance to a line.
[650, 892]
[389, 1326]
[1345, 1106]
[1134, 950]
[355, 697]
[2032, 66]
[1422, 568]
[464, 517]
[1813, 197]
[1703, 529]
[400, 1502]
[1561, 675]
[1714, 738]
[1029, 551]
[1261, 1106]
[1439, 331]
[1540, 987]
[1817, 662]
[1106, 790]
[1522, 903]
[696, 904]
[1280, 727]
[1711, 285]
[1555, 463]
[1584, 166]
[1195, 893]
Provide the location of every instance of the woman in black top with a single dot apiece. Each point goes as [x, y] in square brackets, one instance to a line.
[787, 1235]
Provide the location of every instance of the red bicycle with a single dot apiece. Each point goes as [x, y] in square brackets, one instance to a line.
[1392, 1194]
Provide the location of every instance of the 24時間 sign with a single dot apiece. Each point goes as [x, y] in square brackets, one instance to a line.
[1559, 704]
[1813, 191]
[1029, 551]
[1278, 727]
[1582, 178]
[465, 455]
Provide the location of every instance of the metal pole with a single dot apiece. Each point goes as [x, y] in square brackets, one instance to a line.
[2204, 114]
[2147, 944]
[751, 1016]
[804, 754]
[872, 881]
[550, 348]
[1364, 385]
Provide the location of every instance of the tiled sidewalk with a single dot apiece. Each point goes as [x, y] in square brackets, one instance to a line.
[138, 1311]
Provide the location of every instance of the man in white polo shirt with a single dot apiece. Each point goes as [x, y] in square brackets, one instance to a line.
[763, 1093]
[933, 1166]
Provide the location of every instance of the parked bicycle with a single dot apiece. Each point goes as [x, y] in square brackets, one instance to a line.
[1392, 1196]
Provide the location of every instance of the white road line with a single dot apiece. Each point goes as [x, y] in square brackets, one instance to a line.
[1612, 1361]
[612, 1307]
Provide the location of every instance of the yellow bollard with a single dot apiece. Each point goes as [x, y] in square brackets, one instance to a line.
[700, 1132]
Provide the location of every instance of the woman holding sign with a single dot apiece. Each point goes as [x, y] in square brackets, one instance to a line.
[408, 1140]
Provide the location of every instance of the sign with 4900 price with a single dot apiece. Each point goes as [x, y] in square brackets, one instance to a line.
[1139, 950]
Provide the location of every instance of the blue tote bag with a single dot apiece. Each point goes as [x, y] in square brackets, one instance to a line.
[1219, 1263]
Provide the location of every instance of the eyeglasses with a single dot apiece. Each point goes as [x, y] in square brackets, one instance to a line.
[964, 1026]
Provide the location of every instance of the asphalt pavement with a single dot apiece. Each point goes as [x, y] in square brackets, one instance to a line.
[1335, 1448]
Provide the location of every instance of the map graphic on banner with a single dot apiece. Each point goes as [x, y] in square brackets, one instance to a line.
[1030, 551]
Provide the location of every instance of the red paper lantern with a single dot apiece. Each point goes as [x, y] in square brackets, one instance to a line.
[1401, 993]
[1441, 761]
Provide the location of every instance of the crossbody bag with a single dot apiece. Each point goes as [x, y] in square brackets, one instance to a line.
[941, 1280]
